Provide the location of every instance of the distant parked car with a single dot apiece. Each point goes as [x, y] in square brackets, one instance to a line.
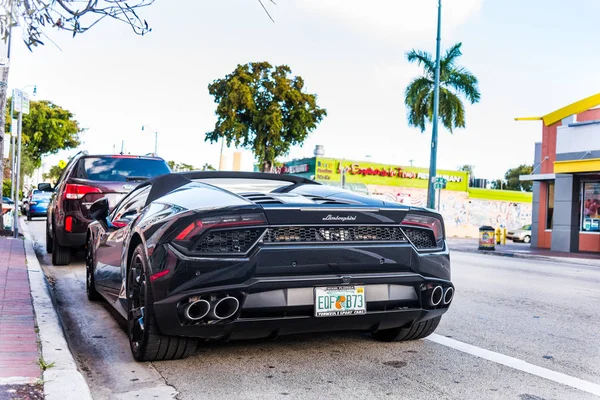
[38, 205]
[26, 199]
[522, 234]
[85, 179]
[7, 200]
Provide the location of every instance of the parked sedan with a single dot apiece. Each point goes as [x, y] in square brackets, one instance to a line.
[234, 255]
[38, 205]
[522, 234]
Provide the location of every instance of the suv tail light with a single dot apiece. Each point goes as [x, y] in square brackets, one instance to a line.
[427, 222]
[198, 227]
[76, 192]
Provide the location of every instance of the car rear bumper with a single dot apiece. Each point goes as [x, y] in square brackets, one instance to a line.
[37, 211]
[273, 306]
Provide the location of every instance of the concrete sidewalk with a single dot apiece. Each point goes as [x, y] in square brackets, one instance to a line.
[522, 250]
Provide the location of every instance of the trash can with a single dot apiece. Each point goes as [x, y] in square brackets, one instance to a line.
[487, 239]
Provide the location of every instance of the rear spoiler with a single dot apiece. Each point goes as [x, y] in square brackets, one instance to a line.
[166, 183]
[247, 175]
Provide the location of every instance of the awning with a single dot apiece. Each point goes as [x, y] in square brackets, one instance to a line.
[572, 166]
[572, 109]
[537, 177]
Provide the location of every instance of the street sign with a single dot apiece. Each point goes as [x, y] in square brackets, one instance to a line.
[62, 164]
[439, 185]
[25, 103]
[6, 146]
[16, 100]
[439, 179]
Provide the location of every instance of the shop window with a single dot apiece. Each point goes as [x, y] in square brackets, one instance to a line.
[550, 206]
[590, 221]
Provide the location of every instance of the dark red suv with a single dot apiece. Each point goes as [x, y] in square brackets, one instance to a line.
[85, 179]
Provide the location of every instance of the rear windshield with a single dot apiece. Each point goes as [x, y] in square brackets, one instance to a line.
[245, 185]
[41, 196]
[117, 169]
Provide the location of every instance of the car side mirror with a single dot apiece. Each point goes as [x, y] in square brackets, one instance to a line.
[45, 187]
[99, 209]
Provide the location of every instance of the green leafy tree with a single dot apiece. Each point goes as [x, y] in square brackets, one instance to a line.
[47, 129]
[53, 174]
[262, 108]
[455, 81]
[512, 182]
[35, 18]
[6, 187]
[208, 167]
[180, 167]
[511, 179]
[467, 168]
[185, 167]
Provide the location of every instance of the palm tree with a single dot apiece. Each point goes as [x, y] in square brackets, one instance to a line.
[454, 81]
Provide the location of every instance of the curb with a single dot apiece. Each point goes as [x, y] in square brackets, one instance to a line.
[526, 256]
[63, 380]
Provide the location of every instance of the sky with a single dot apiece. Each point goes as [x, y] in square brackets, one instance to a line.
[531, 57]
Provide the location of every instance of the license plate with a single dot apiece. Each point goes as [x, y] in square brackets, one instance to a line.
[335, 301]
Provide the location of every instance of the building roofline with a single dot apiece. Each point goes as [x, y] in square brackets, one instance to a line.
[564, 112]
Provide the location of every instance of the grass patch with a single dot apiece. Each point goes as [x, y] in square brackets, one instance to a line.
[44, 365]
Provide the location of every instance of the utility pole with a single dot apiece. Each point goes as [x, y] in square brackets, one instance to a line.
[436, 105]
[411, 162]
[22, 106]
[155, 138]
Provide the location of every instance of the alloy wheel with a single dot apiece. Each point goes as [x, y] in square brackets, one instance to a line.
[88, 266]
[136, 294]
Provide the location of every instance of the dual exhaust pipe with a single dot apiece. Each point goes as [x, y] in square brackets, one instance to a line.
[216, 310]
[438, 295]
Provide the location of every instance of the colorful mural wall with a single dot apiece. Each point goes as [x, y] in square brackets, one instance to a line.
[464, 209]
[464, 212]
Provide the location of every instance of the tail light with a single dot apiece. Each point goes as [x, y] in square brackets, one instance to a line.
[427, 222]
[76, 192]
[198, 227]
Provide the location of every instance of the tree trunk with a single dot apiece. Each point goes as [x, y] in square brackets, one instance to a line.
[267, 166]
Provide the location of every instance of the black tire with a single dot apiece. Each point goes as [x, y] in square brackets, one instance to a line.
[90, 281]
[48, 240]
[416, 331]
[527, 239]
[61, 255]
[146, 342]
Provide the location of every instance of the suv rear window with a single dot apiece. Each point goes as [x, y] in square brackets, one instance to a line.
[118, 169]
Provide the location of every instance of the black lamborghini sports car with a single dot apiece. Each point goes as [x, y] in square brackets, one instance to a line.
[197, 256]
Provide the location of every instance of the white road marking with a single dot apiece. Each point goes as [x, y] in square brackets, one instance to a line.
[517, 364]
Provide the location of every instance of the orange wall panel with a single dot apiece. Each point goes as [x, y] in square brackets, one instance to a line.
[549, 148]
[544, 238]
[589, 242]
[589, 115]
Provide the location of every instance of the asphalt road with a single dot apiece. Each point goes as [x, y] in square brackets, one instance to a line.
[517, 329]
